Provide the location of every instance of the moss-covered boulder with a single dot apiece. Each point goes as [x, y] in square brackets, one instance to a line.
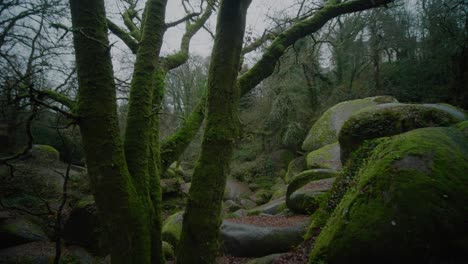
[295, 167]
[305, 197]
[261, 196]
[391, 119]
[19, 230]
[326, 157]
[172, 228]
[265, 260]
[273, 207]
[168, 251]
[408, 203]
[308, 198]
[254, 241]
[44, 153]
[325, 130]
[83, 228]
[463, 127]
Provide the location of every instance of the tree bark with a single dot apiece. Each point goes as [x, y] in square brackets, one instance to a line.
[202, 218]
[119, 206]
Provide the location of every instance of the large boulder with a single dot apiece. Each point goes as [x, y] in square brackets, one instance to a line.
[44, 253]
[19, 230]
[236, 190]
[326, 157]
[83, 228]
[265, 260]
[44, 154]
[308, 198]
[392, 119]
[273, 207]
[408, 203]
[295, 167]
[254, 241]
[172, 229]
[325, 130]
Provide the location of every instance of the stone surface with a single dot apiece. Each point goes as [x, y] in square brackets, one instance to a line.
[326, 129]
[252, 241]
[327, 157]
[407, 203]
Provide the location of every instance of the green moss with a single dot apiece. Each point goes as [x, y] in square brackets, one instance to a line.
[387, 120]
[463, 127]
[408, 203]
[263, 196]
[345, 179]
[325, 130]
[168, 250]
[172, 228]
[295, 167]
[47, 150]
[305, 177]
[327, 157]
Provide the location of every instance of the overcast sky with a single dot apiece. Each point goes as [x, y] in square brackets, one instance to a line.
[257, 21]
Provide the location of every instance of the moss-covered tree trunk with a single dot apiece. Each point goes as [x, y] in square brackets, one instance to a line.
[119, 205]
[202, 219]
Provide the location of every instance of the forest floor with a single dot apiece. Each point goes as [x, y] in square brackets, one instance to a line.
[298, 255]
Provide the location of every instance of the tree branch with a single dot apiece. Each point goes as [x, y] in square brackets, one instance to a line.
[266, 65]
[131, 43]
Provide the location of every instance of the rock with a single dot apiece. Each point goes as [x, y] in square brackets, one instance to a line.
[278, 193]
[231, 206]
[265, 260]
[248, 204]
[240, 213]
[463, 127]
[172, 228]
[387, 120]
[407, 203]
[261, 196]
[325, 130]
[306, 201]
[44, 154]
[236, 190]
[450, 109]
[168, 251]
[272, 208]
[185, 187]
[75, 254]
[308, 198]
[171, 186]
[31, 253]
[83, 228]
[44, 253]
[327, 157]
[19, 230]
[253, 241]
[295, 167]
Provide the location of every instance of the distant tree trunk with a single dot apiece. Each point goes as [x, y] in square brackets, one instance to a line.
[202, 219]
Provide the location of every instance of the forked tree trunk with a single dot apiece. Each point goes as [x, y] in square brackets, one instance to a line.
[125, 186]
[202, 219]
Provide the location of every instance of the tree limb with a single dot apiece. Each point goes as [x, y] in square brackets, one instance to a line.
[266, 65]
